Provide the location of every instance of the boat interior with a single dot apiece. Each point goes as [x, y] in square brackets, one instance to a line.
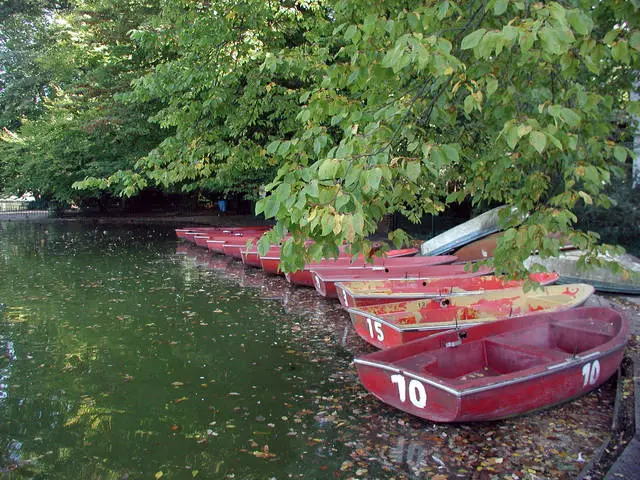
[438, 312]
[542, 344]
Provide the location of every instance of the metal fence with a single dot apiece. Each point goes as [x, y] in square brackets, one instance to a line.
[16, 207]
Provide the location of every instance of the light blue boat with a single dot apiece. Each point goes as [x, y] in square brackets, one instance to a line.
[460, 235]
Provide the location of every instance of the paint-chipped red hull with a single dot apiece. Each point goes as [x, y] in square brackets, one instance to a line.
[388, 325]
[395, 258]
[363, 293]
[325, 280]
[501, 369]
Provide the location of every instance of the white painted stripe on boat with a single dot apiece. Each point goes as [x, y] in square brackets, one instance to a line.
[576, 359]
[377, 365]
[566, 364]
[397, 328]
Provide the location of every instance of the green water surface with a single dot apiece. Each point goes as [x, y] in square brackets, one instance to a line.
[121, 359]
[125, 354]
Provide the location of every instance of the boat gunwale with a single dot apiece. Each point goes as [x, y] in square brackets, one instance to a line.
[549, 369]
[414, 294]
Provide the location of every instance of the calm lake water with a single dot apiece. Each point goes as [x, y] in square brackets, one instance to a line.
[125, 354]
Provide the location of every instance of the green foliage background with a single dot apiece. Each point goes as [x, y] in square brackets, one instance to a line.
[331, 113]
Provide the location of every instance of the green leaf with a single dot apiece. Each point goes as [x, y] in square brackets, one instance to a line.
[633, 107]
[328, 169]
[570, 117]
[327, 223]
[538, 140]
[550, 40]
[392, 58]
[634, 41]
[350, 32]
[341, 201]
[437, 157]
[284, 147]
[620, 52]
[586, 197]
[413, 171]
[443, 9]
[580, 21]
[451, 153]
[591, 174]
[469, 104]
[373, 178]
[620, 153]
[500, 7]
[273, 147]
[492, 86]
[473, 39]
[511, 135]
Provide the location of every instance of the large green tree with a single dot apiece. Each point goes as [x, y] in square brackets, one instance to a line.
[425, 104]
[340, 112]
[222, 103]
[83, 129]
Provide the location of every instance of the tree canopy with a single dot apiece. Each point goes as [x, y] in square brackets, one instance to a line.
[334, 113]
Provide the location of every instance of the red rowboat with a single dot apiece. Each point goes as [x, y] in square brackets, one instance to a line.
[189, 233]
[389, 324]
[325, 279]
[500, 369]
[271, 261]
[360, 294]
[216, 242]
[397, 258]
[251, 256]
[235, 247]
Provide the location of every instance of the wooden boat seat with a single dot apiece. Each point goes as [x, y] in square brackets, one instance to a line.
[543, 352]
[422, 362]
[560, 337]
[575, 339]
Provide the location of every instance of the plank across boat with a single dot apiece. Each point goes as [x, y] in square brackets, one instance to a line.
[396, 258]
[390, 324]
[188, 233]
[500, 369]
[216, 242]
[371, 292]
[203, 239]
[324, 280]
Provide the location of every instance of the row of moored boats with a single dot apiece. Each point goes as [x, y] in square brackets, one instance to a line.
[456, 343]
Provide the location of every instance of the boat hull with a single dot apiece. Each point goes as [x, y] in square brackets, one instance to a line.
[305, 278]
[392, 324]
[508, 368]
[463, 234]
[363, 293]
[324, 280]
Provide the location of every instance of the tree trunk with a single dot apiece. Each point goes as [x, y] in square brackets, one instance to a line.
[635, 96]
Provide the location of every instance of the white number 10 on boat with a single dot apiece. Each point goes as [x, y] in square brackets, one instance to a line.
[590, 373]
[417, 392]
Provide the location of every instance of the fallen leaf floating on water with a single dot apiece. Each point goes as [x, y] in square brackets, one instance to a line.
[264, 453]
[346, 465]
